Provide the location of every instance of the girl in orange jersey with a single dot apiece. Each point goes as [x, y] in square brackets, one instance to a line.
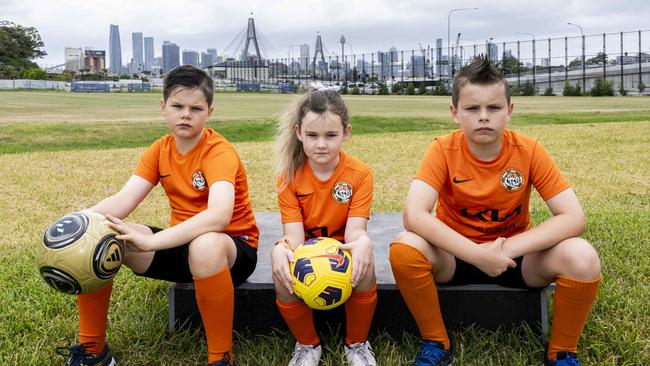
[322, 191]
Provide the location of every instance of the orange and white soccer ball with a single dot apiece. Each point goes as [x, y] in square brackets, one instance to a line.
[322, 273]
[79, 253]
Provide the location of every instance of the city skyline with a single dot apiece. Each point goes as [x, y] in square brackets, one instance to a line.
[368, 26]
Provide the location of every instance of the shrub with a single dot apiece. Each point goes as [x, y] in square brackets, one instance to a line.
[602, 88]
[529, 89]
[549, 92]
[383, 89]
[515, 90]
[410, 90]
[422, 89]
[441, 89]
[570, 90]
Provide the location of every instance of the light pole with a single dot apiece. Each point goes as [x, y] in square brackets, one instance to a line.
[582, 34]
[342, 40]
[530, 34]
[449, 32]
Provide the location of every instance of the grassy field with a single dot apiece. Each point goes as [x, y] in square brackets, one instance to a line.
[50, 165]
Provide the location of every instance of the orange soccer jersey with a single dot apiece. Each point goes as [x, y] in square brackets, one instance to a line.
[186, 179]
[324, 206]
[484, 200]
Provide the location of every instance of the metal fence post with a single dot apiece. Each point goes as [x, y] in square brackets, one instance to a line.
[622, 61]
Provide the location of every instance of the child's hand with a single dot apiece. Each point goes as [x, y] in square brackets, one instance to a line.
[493, 260]
[281, 256]
[361, 251]
[137, 241]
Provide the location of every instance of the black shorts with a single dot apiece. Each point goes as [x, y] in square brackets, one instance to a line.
[466, 274]
[172, 264]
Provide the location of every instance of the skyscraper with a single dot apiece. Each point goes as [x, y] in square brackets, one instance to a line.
[148, 53]
[170, 56]
[304, 56]
[115, 50]
[190, 57]
[137, 63]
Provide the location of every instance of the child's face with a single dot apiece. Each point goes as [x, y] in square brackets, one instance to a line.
[482, 113]
[186, 112]
[322, 136]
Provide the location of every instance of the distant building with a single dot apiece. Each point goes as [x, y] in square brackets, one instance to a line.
[170, 56]
[441, 60]
[385, 61]
[73, 59]
[137, 62]
[209, 57]
[115, 50]
[304, 56]
[632, 59]
[212, 52]
[417, 66]
[148, 53]
[190, 57]
[493, 51]
[94, 60]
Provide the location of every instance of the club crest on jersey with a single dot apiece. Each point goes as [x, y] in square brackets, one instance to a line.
[512, 179]
[198, 180]
[342, 192]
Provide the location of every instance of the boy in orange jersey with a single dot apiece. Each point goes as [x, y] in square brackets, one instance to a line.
[481, 178]
[212, 238]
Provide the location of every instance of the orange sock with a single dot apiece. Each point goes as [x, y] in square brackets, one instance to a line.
[414, 277]
[215, 296]
[359, 310]
[571, 306]
[93, 316]
[298, 317]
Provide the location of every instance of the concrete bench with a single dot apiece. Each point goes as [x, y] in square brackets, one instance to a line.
[487, 306]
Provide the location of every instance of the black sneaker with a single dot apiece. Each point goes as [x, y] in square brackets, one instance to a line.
[78, 356]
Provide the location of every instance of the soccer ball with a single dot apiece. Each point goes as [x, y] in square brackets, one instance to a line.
[322, 273]
[79, 253]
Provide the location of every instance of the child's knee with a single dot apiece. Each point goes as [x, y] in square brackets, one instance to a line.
[403, 256]
[581, 259]
[209, 250]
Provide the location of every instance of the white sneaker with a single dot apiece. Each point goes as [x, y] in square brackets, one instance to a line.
[360, 354]
[305, 355]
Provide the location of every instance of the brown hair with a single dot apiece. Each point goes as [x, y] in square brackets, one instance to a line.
[480, 71]
[288, 150]
[190, 77]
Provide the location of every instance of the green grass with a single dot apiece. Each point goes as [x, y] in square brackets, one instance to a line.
[604, 155]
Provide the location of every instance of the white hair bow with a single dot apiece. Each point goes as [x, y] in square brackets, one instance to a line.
[319, 86]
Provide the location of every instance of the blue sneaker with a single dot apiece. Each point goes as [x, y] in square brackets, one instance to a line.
[563, 359]
[433, 353]
[224, 362]
[78, 356]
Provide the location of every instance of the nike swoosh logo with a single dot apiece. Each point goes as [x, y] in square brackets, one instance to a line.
[163, 176]
[456, 180]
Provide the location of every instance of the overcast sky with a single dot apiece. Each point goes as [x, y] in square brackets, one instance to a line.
[367, 25]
